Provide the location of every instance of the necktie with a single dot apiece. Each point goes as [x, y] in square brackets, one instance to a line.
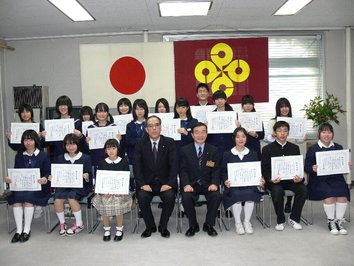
[154, 151]
[200, 153]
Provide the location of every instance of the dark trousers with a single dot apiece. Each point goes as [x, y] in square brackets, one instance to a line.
[189, 200]
[144, 200]
[277, 193]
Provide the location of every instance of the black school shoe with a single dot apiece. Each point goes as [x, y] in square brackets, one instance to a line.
[24, 237]
[16, 238]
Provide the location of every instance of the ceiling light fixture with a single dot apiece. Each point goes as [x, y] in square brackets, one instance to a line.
[177, 9]
[291, 7]
[73, 9]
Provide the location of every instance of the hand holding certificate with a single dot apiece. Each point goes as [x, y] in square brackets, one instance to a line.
[67, 175]
[244, 174]
[112, 182]
[287, 167]
[24, 179]
[332, 162]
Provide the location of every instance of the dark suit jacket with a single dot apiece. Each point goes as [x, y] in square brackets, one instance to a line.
[189, 171]
[164, 171]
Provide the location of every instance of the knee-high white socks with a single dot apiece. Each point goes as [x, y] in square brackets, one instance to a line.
[28, 215]
[78, 218]
[237, 209]
[61, 217]
[335, 210]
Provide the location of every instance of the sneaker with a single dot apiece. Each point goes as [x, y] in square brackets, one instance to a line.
[62, 229]
[279, 227]
[294, 224]
[340, 226]
[239, 229]
[332, 226]
[248, 227]
[74, 229]
[38, 212]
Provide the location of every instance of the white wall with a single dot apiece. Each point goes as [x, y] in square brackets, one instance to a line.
[56, 63]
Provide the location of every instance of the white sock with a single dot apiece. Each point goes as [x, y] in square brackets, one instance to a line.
[78, 218]
[61, 217]
[340, 209]
[28, 219]
[18, 214]
[329, 210]
[237, 209]
[119, 230]
[107, 230]
[248, 208]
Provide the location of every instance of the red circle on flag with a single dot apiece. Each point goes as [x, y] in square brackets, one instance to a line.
[127, 75]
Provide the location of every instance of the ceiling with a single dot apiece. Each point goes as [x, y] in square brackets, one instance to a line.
[32, 19]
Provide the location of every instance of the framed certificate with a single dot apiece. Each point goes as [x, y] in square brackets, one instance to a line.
[244, 174]
[17, 130]
[250, 121]
[221, 122]
[332, 162]
[112, 182]
[24, 179]
[67, 175]
[287, 167]
[57, 129]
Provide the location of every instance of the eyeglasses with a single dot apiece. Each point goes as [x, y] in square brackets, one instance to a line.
[153, 125]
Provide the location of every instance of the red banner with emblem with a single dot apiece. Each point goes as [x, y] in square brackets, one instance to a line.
[236, 66]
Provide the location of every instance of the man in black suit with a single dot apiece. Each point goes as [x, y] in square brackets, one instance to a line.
[199, 174]
[155, 172]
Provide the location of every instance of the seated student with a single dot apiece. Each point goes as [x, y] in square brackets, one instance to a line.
[234, 196]
[202, 92]
[72, 155]
[155, 172]
[199, 174]
[113, 205]
[332, 189]
[281, 147]
[23, 201]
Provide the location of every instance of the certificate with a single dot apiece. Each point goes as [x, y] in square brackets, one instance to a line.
[332, 162]
[199, 112]
[169, 128]
[244, 174]
[122, 121]
[85, 125]
[57, 129]
[99, 136]
[112, 182]
[287, 167]
[250, 121]
[17, 130]
[67, 175]
[24, 179]
[221, 122]
[297, 127]
[163, 116]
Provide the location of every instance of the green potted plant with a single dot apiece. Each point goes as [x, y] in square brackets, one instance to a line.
[323, 110]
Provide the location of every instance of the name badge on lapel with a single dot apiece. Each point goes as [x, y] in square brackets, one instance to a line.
[210, 163]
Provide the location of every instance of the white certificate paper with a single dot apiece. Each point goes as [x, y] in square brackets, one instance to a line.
[169, 128]
[221, 122]
[250, 121]
[67, 175]
[57, 129]
[287, 167]
[24, 179]
[244, 174]
[112, 182]
[122, 121]
[17, 130]
[85, 125]
[199, 112]
[332, 162]
[297, 127]
[99, 136]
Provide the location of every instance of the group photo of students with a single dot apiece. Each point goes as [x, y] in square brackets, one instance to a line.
[148, 163]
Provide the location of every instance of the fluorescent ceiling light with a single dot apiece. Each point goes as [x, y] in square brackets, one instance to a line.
[74, 10]
[176, 9]
[291, 7]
